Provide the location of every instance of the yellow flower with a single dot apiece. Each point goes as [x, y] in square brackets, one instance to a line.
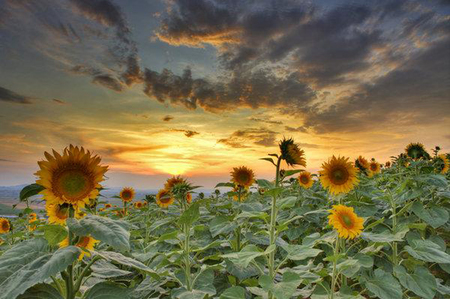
[57, 213]
[374, 168]
[242, 176]
[5, 226]
[345, 221]
[101, 209]
[291, 153]
[138, 205]
[32, 217]
[108, 205]
[338, 175]
[170, 183]
[416, 151]
[164, 198]
[444, 163]
[85, 243]
[305, 180]
[189, 197]
[72, 178]
[362, 163]
[79, 214]
[387, 164]
[127, 194]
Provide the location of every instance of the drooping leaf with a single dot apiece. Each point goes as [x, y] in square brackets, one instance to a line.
[428, 251]
[54, 233]
[434, 216]
[285, 288]
[300, 252]
[41, 291]
[108, 290]
[29, 191]
[384, 285]
[119, 258]
[221, 225]
[247, 255]
[233, 293]
[422, 282]
[190, 215]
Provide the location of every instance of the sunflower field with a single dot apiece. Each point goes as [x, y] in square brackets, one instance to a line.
[356, 229]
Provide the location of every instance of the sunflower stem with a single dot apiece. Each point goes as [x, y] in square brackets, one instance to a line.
[238, 229]
[186, 256]
[69, 278]
[334, 275]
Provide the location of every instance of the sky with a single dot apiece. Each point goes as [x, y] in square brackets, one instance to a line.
[197, 87]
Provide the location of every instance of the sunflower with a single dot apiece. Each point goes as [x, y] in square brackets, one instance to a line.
[170, 183]
[443, 163]
[338, 175]
[374, 168]
[362, 163]
[108, 205]
[101, 209]
[291, 153]
[72, 178]
[242, 176]
[416, 151]
[5, 226]
[138, 205]
[164, 198]
[305, 180]
[85, 243]
[345, 221]
[387, 164]
[127, 194]
[188, 197]
[32, 217]
[57, 213]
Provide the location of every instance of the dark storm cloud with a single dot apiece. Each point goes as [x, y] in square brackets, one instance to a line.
[109, 82]
[252, 136]
[7, 95]
[247, 89]
[167, 118]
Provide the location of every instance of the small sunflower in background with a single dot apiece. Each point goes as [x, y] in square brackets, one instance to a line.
[101, 209]
[362, 164]
[72, 178]
[79, 214]
[86, 243]
[127, 194]
[243, 177]
[5, 226]
[239, 192]
[345, 221]
[138, 205]
[173, 181]
[374, 168]
[164, 198]
[108, 206]
[416, 151]
[387, 164]
[305, 179]
[57, 214]
[32, 217]
[189, 197]
[443, 163]
[291, 153]
[338, 175]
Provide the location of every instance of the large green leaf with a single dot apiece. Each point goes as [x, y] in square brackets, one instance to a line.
[54, 233]
[386, 237]
[233, 293]
[108, 290]
[287, 202]
[119, 258]
[112, 232]
[41, 291]
[190, 215]
[104, 269]
[285, 288]
[37, 271]
[221, 225]
[247, 255]
[29, 191]
[384, 285]
[300, 252]
[434, 216]
[422, 282]
[20, 255]
[204, 282]
[428, 251]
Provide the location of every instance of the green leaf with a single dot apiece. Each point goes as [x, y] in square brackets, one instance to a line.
[119, 258]
[108, 290]
[290, 172]
[269, 159]
[29, 191]
[233, 293]
[190, 215]
[37, 271]
[247, 255]
[287, 202]
[386, 237]
[300, 252]
[41, 291]
[265, 184]
[422, 282]
[435, 216]
[112, 232]
[384, 285]
[221, 225]
[204, 282]
[54, 233]
[104, 269]
[428, 251]
[231, 185]
[285, 288]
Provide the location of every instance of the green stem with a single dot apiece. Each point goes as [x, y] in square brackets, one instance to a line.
[187, 268]
[334, 275]
[238, 229]
[84, 272]
[69, 277]
[58, 285]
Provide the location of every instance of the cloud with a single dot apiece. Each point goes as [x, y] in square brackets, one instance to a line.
[248, 137]
[7, 95]
[6, 160]
[267, 121]
[109, 82]
[167, 118]
[300, 129]
[58, 101]
[187, 133]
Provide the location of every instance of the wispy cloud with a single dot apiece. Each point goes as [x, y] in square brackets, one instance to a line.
[7, 95]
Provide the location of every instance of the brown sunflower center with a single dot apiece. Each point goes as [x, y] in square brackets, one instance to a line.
[373, 167]
[73, 184]
[5, 225]
[347, 221]
[339, 176]
[83, 242]
[61, 212]
[304, 179]
[243, 177]
[126, 194]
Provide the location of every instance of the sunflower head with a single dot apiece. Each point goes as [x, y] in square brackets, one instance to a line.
[5, 226]
[85, 243]
[239, 193]
[164, 198]
[127, 194]
[242, 176]
[305, 179]
[338, 175]
[108, 206]
[345, 221]
[57, 213]
[73, 177]
[291, 153]
[173, 181]
[442, 163]
[32, 217]
[387, 164]
[416, 151]
[138, 205]
[374, 168]
[189, 197]
[362, 163]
